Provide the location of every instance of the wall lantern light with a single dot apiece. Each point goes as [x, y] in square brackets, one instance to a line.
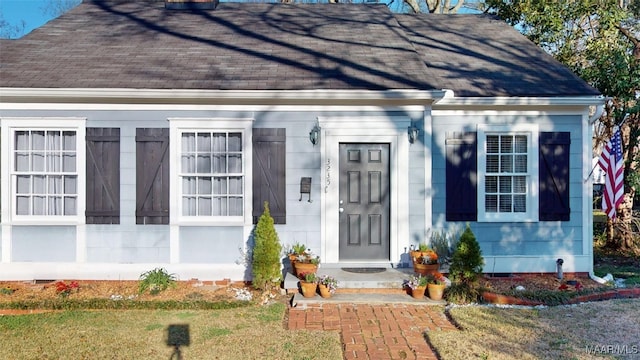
[413, 133]
[314, 135]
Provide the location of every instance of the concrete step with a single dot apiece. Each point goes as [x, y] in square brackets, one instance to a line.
[366, 288]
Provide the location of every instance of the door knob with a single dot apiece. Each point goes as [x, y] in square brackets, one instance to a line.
[341, 209]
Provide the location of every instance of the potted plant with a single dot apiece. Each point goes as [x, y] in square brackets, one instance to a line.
[305, 263]
[308, 284]
[425, 259]
[418, 284]
[327, 285]
[294, 252]
[435, 286]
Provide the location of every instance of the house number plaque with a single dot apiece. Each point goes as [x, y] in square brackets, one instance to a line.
[327, 180]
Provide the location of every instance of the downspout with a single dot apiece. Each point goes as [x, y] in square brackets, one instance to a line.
[592, 119]
[596, 278]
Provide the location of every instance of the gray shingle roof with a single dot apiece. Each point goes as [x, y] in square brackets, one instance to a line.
[246, 46]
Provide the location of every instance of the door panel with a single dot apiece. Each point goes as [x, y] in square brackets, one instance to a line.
[364, 202]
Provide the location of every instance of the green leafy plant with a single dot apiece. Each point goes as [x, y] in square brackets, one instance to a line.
[309, 277]
[298, 249]
[156, 281]
[467, 261]
[415, 281]
[267, 273]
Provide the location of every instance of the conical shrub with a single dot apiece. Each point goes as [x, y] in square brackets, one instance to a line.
[266, 266]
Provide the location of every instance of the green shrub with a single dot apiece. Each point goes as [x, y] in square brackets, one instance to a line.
[467, 261]
[267, 273]
[462, 293]
[156, 280]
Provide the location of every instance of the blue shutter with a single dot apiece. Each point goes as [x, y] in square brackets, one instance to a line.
[554, 176]
[461, 176]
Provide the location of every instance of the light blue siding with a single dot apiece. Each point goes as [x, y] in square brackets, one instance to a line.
[43, 243]
[503, 239]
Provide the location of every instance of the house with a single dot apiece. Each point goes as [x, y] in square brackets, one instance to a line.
[136, 136]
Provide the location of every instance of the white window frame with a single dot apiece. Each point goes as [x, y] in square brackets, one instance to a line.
[9, 176]
[178, 126]
[531, 213]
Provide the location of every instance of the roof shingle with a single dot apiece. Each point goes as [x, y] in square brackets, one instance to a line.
[248, 46]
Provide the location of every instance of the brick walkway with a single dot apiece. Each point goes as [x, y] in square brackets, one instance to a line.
[375, 332]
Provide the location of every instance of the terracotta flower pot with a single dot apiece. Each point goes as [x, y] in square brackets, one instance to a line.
[308, 289]
[324, 291]
[436, 291]
[304, 268]
[425, 269]
[418, 292]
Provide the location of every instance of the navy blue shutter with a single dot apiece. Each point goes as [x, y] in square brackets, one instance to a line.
[554, 176]
[269, 173]
[461, 176]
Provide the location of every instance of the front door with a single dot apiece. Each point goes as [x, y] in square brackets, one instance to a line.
[364, 202]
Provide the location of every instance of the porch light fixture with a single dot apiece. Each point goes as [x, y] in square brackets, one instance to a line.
[413, 133]
[314, 134]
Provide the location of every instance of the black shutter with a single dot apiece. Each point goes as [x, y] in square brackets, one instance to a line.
[554, 176]
[461, 176]
[103, 176]
[269, 162]
[152, 176]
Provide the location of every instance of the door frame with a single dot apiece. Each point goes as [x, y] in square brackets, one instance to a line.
[366, 129]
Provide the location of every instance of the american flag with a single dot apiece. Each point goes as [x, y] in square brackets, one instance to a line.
[612, 164]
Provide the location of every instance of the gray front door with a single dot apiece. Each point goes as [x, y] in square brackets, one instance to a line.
[364, 202]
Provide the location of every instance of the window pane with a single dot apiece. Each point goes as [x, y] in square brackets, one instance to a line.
[505, 203]
[22, 205]
[492, 163]
[506, 144]
[22, 161]
[188, 142]
[188, 163]
[219, 142]
[188, 185]
[492, 144]
[39, 185]
[219, 206]
[235, 142]
[70, 185]
[69, 162]
[23, 185]
[53, 140]
[235, 163]
[491, 203]
[55, 185]
[219, 164]
[204, 185]
[520, 203]
[37, 140]
[204, 142]
[70, 206]
[219, 186]
[491, 184]
[505, 184]
[520, 184]
[55, 205]
[38, 205]
[520, 144]
[235, 185]
[53, 162]
[37, 161]
[69, 139]
[506, 163]
[204, 206]
[235, 206]
[188, 206]
[204, 163]
[520, 165]
[22, 140]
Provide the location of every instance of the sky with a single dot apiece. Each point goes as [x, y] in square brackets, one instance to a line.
[30, 11]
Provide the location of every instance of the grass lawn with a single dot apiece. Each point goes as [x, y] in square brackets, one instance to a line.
[245, 333]
[560, 332]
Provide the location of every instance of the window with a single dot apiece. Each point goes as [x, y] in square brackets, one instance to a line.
[211, 173]
[507, 165]
[46, 169]
[209, 183]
